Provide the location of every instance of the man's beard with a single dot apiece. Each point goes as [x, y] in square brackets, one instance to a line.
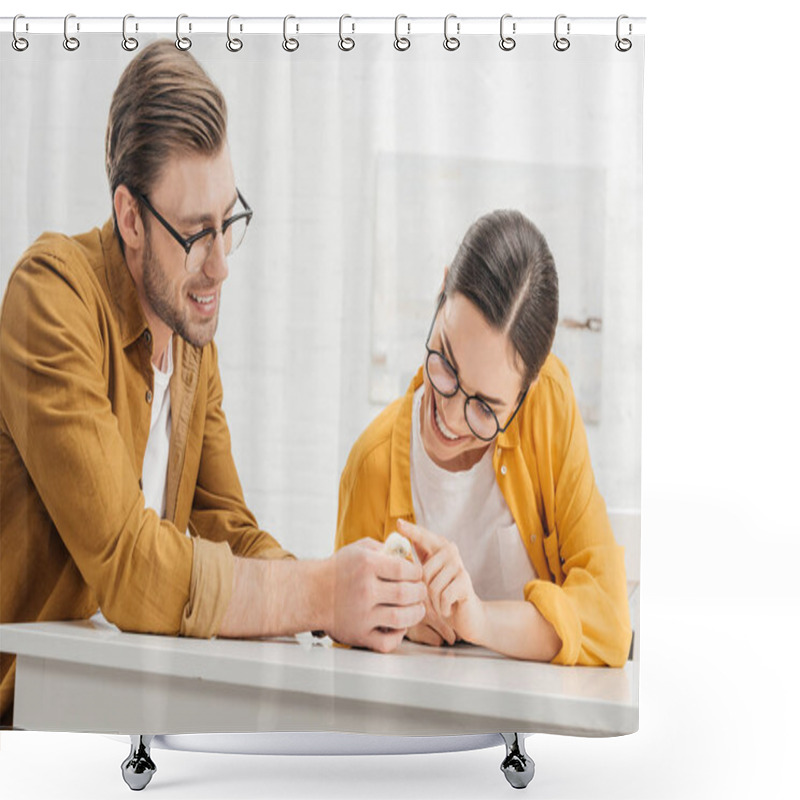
[158, 292]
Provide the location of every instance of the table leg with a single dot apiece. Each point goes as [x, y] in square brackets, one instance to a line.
[518, 766]
[138, 768]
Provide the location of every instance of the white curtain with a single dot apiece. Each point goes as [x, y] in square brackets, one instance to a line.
[365, 169]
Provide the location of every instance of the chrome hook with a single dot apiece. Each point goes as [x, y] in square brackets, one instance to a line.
[623, 45]
[289, 44]
[507, 42]
[451, 42]
[19, 43]
[70, 42]
[129, 43]
[561, 43]
[401, 42]
[182, 42]
[233, 44]
[346, 43]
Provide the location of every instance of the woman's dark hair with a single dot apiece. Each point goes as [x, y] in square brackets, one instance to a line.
[506, 269]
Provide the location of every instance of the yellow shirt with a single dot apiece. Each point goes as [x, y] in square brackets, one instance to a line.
[76, 381]
[543, 468]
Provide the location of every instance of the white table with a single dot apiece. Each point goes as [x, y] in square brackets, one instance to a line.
[89, 676]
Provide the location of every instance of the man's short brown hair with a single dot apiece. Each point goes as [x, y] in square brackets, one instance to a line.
[164, 104]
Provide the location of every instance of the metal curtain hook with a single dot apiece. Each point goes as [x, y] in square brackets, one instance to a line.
[129, 43]
[289, 44]
[623, 45]
[401, 42]
[346, 42]
[561, 43]
[233, 44]
[507, 42]
[70, 42]
[451, 42]
[19, 43]
[181, 42]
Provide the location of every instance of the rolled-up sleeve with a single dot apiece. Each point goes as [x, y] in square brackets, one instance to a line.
[588, 604]
[210, 590]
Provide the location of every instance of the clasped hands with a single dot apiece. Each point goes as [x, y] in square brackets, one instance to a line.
[378, 599]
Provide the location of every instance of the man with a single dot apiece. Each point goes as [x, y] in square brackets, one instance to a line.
[113, 442]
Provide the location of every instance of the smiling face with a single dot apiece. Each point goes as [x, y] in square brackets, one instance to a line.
[487, 366]
[193, 192]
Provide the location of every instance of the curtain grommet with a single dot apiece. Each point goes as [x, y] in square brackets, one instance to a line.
[233, 44]
[289, 44]
[561, 43]
[182, 42]
[507, 43]
[451, 43]
[401, 43]
[623, 44]
[346, 43]
[129, 43]
[71, 43]
[19, 43]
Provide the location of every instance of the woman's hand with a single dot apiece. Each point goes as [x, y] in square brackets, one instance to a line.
[433, 630]
[450, 590]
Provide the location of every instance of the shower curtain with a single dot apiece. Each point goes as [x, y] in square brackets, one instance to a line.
[365, 165]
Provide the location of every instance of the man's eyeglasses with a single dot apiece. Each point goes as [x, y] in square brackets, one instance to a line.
[480, 417]
[198, 247]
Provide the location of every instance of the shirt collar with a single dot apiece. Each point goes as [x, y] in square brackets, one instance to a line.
[510, 438]
[122, 290]
[400, 502]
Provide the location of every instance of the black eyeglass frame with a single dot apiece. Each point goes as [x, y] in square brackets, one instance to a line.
[460, 388]
[186, 244]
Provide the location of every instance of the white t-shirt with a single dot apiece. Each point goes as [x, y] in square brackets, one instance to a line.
[156, 454]
[468, 508]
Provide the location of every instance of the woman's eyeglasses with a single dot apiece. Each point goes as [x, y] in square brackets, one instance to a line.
[480, 417]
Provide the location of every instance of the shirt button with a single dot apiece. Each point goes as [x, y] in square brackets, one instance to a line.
[148, 337]
[148, 395]
[503, 470]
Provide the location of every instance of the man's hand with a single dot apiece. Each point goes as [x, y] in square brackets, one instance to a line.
[450, 590]
[376, 597]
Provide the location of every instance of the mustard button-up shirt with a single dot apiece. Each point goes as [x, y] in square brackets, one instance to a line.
[543, 468]
[75, 535]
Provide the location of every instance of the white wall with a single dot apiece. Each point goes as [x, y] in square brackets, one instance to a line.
[365, 170]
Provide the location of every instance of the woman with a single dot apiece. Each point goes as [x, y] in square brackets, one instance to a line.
[484, 466]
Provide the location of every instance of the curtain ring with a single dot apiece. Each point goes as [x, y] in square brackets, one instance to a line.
[181, 42]
[233, 44]
[346, 43]
[451, 42]
[129, 43]
[507, 42]
[289, 45]
[401, 42]
[70, 42]
[561, 43]
[623, 45]
[19, 43]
